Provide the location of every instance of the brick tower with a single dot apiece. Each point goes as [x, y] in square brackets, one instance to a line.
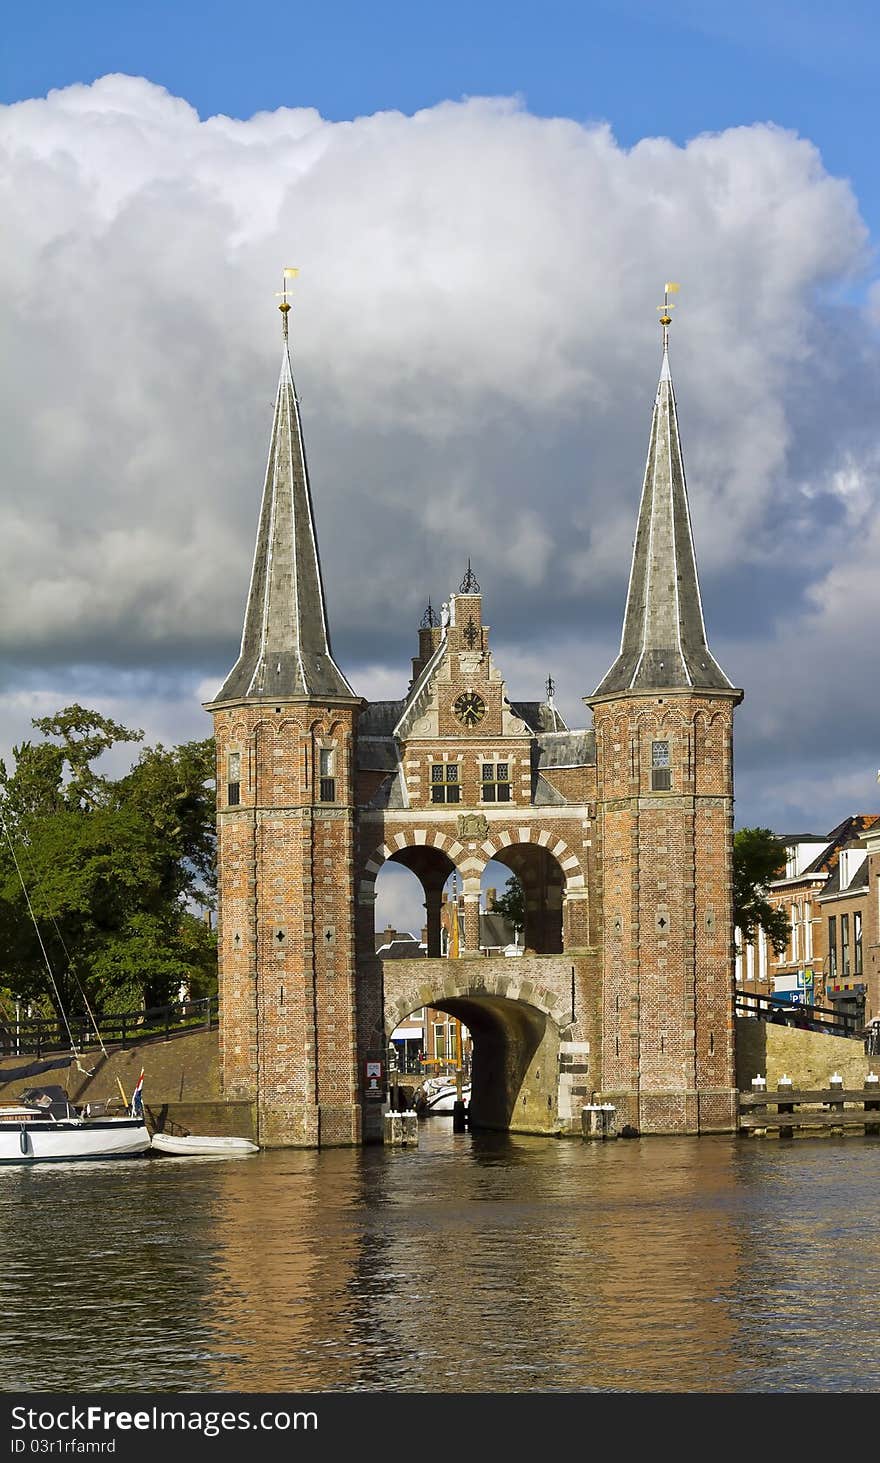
[285, 725]
[663, 719]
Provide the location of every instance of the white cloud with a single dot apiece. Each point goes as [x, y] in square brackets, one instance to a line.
[476, 351]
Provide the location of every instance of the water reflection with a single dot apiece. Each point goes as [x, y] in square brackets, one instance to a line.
[485, 1263]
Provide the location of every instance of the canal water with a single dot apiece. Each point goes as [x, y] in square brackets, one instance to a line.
[473, 1264]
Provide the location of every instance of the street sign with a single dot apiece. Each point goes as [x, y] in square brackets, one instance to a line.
[375, 1083]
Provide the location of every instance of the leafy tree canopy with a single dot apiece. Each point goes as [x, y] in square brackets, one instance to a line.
[512, 903]
[117, 872]
[758, 857]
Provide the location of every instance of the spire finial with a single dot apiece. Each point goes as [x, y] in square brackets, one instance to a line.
[670, 288]
[469, 583]
[281, 295]
[550, 688]
[430, 618]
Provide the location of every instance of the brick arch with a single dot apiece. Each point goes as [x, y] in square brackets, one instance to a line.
[409, 838]
[567, 859]
[469, 979]
[655, 718]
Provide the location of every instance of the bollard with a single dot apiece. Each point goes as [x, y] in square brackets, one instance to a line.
[597, 1120]
[785, 1085]
[835, 1083]
[401, 1129]
[872, 1086]
[759, 1084]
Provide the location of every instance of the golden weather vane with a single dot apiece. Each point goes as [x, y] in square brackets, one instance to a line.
[281, 295]
[670, 288]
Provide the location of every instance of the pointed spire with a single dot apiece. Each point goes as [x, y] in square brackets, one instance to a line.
[664, 646]
[285, 647]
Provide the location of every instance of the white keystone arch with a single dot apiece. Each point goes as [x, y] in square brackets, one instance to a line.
[473, 866]
[568, 861]
[410, 838]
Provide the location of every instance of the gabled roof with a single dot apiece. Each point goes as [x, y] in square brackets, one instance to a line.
[851, 828]
[663, 645]
[858, 881]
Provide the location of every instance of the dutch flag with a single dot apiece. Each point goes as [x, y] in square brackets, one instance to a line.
[137, 1098]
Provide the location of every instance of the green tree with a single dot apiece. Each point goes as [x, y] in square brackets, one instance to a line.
[758, 857]
[512, 904]
[106, 879]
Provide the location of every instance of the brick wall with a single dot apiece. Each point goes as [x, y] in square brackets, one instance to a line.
[668, 961]
[286, 927]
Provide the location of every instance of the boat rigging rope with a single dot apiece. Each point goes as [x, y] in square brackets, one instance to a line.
[71, 964]
[73, 1047]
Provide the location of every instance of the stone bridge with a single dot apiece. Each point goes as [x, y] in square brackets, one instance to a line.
[535, 1025]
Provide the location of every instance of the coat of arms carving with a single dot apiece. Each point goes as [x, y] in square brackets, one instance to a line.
[472, 825]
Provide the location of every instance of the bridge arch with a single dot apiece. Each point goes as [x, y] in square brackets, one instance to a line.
[517, 1024]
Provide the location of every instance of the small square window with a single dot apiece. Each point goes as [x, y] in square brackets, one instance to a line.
[444, 783]
[495, 782]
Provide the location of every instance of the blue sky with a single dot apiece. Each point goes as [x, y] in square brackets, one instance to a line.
[475, 344]
[647, 68]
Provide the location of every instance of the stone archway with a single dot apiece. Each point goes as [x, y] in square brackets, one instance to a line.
[554, 884]
[518, 1026]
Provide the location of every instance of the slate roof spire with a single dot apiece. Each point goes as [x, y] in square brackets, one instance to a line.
[285, 646]
[664, 645]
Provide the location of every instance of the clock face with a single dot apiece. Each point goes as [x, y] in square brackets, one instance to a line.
[469, 708]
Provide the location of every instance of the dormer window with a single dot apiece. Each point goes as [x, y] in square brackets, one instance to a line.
[661, 772]
[233, 779]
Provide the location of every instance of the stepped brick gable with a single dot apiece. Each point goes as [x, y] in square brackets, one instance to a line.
[620, 834]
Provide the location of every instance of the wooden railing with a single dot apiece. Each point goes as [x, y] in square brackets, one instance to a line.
[36, 1037]
[810, 1018]
[790, 1107]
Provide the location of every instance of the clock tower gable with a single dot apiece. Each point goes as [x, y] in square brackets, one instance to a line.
[457, 690]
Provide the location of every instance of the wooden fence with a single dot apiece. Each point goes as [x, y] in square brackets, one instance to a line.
[36, 1037]
[835, 1107]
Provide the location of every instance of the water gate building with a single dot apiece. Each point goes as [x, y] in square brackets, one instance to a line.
[621, 835]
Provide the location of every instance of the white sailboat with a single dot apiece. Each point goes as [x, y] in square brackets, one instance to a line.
[44, 1126]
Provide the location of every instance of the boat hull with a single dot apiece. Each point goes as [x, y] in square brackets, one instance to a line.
[67, 1141]
[443, 1103]
[179, 1146]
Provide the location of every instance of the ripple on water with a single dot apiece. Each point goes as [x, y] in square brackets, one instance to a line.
[474, 1263]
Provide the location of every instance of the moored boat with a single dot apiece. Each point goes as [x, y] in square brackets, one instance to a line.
[181, 1145]
[437, 1097]
[45, 1126]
